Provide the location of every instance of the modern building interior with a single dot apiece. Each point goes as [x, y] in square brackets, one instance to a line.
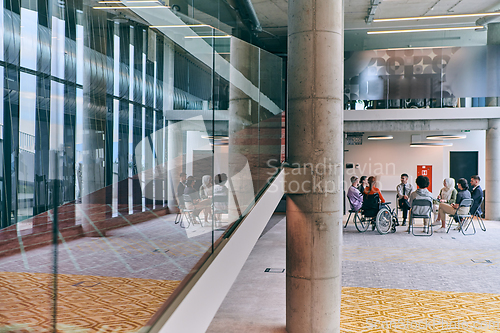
[184, 166]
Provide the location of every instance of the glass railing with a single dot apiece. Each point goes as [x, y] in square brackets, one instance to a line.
[416, 78]
[142, 141]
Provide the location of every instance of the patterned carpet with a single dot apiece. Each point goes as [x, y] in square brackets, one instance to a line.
[84, 304]
[123, 305]
[401, 310]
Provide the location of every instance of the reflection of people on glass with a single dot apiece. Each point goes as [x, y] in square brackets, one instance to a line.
[195, 203]
[205, 192]
[180, 188]
[220, 198]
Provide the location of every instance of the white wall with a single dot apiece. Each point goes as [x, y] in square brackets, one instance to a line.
[388, 159]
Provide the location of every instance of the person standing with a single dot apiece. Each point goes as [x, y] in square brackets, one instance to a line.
[404, 190]
[477, 195]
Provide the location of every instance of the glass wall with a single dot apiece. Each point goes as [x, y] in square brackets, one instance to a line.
[132, 138]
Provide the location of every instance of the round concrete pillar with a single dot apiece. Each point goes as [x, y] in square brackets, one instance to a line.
[493, 38]
[243, 127]
[315, 138]
[492, 181]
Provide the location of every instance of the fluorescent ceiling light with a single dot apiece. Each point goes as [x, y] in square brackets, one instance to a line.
[422, 30]
[380, 137]
[180, 26]
[225, 36]
[216, 137]
[131, 7]
[431, 144]
[446, 136]
[432, 17]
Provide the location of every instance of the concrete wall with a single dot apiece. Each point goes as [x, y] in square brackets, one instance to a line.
[388, 159]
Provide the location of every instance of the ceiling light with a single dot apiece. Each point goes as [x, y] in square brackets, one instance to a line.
[422, 30]
[432, 17]
[131, 7]
[431, 144]
[381, 137]
[179, 26]
[446, 136]
[225, 36]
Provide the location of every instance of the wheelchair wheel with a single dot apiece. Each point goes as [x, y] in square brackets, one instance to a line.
[362, 224]
[383, 221]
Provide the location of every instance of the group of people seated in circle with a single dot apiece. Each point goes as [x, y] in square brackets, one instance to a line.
[447, 202]
[204, 198]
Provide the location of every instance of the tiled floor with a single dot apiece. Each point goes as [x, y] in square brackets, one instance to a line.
[444, 280]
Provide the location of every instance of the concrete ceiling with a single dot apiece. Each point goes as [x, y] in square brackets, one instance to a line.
[273, 18]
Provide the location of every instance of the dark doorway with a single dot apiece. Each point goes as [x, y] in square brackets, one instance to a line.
[463, 164]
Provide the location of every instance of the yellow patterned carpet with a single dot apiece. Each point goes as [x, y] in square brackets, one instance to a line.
[124, 305]
[401, 310]
[84, 304]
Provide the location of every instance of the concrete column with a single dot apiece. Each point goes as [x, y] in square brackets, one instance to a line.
[243, 126]
[492, 181]
[175, 162]
[493, 63]
[315, 111]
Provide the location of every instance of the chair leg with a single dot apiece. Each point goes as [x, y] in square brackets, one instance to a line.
[480, 222]
[345, 225]
[466, 223]
[450, 222]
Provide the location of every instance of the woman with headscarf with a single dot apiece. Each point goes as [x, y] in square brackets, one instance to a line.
[205, 193]
[206, 187]
[448, 194]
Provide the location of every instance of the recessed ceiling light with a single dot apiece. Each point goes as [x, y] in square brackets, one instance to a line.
[431, 144]
[379, 32]
[445, 136]
[431, 17]
[381, 137]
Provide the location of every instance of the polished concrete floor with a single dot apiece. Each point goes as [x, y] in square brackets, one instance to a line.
[399, 277]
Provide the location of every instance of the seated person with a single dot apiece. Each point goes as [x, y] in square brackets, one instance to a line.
[205, 192]
[220, 197]
[363, 183]
[355, 197]
[197, 204]
[445, 208]
[448, 194]
[371, 198]
[403, 191]
[422, 193]
[371, 189]
[476, 194]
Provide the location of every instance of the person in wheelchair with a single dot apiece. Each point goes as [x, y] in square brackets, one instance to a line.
[372, 201]
[371, 189]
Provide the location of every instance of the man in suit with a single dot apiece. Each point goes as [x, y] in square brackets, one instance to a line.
[476, 193]
[180, 188]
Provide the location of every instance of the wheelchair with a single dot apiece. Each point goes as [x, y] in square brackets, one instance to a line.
[377, 214]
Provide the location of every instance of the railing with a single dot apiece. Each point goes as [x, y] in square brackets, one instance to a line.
[106, 237]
